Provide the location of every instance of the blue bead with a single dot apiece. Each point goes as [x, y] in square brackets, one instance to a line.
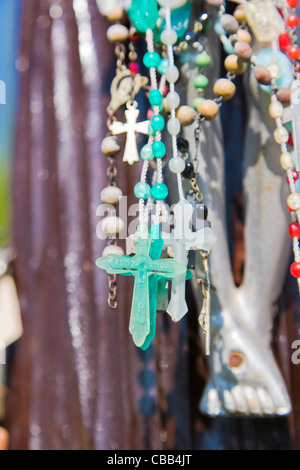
[159, 191]
[158, 149]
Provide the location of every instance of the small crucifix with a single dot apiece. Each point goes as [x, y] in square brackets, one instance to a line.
[292, 114]
[141, 266]
[131, 126]
[182, 240]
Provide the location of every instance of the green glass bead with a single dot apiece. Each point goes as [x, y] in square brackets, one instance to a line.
[203, 59]
[151, 59]
[159, 191]
[146, 152]
[198, 101]
[159, 149]
[163, 66]
[143, 14]
[201, 81]
[157, 123]
[155, 98]
[142, 190]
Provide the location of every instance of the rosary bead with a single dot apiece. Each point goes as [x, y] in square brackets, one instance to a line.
[186, 115]
[292, 3]
[157, 123]
[293, 52]
[173, 126]
[284, 96]
[134, 68]
[110, 146]
[203, 59]
[201, 81]
[293, 201]
[197, 101]
[240, 14]
[164, 64]
[188, 171]
[113, 250]
[168, 36]
[284, 41]
[143, 14]
[294, 229]
[281, 135]
[229, 23]
[159, 191]
[159, 149]
[117, 33]
[146, 152]
[295, 269]
[182, 145]
[111, 195]
[262, 74]
[112, 225]
[142, 190]
[172, 74]
[151, 59]
[173, 99]
[243, 50]
[225, 88]
[155, 97]
[244, 36]
[234, 64]
[286, 160]
[176, 165]
[292, 21]
[275, 109]
[208, 109]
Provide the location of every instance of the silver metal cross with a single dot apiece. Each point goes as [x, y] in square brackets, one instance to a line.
[131, 126]
[292, 114]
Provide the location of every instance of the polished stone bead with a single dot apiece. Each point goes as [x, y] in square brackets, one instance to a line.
[110, 146]
[176, 165]
[233, 63]
[173, 126]
[151, 59]
[112, 225]
[281, 135]
[188, 171]
[275, 109]
[293, 201]
[173, 99]
[146, 152]
[286, 160]
[243, 50]
[172, 74]
[157, 123]
[198, 101]
[117, 33]
[294, 229]
[168, 36]
[143, 14]
[159, 191]
[244, 35]
[182, 144]
[284, 95]
[295, 269]
[262, 74]
[164, 64]
[229, 23]
[155, 98]
[201, 81]
[158, 149]
[203, 59]
[142, 190]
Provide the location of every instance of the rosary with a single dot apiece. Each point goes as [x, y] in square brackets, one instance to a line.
[161, 252]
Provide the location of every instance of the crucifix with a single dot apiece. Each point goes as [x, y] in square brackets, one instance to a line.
[292, 114]
[131, 127]
[182, 239]
[141, 266]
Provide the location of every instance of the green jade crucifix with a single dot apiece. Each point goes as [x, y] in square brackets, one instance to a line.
[141, 266]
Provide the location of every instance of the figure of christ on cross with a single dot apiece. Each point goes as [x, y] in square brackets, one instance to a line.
[141, 266]
[130, 127]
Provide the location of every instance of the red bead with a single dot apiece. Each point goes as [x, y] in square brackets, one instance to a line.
[294, 229]
[295, 269]
[284, 41]
[292, 21]
[133, 67]
[292, 3]
[293, 52]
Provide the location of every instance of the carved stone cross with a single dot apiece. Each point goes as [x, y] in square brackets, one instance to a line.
[292, 114]
[131, 126]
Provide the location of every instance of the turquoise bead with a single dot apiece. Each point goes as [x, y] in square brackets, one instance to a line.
[159, 149]
[151, 59]
[227, 45]
[159, 191]
[143, 14]
[155, 98]
[157, 123]
[142, 190]
[180, 19]
[162, 68]
[201, 81]
[146, 152]
[203, 59]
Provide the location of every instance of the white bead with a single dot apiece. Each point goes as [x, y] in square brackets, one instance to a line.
[110, 195]
[286, 160]
[276, 109]
[281, 135]
[173, 126]
[171, 3]
[112, 225]
[173, 100]
[113, 250]
[176, 165]
[168, 36]
[293, 201]
[172, 74]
